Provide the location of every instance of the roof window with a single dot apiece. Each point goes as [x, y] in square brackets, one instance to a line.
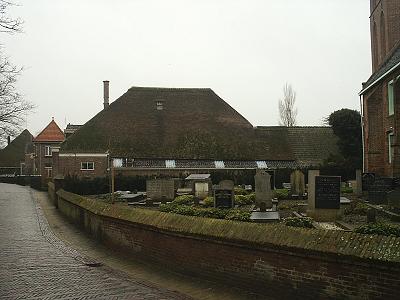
[160, 104]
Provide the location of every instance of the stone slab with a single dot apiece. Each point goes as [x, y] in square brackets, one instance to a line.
[344, 200]
[266, 216]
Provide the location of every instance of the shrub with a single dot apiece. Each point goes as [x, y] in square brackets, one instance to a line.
[244, 199]
[379, 229]
[238, 215]
[239, 191]
[346, 190]
[215, 213]
[281, 194]
[356, 208]
[208, 201]
[305, 222]
[184, 200]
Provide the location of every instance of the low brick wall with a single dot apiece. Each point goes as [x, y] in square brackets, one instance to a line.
[278, 261]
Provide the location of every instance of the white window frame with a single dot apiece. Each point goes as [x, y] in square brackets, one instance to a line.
[47, 151]
[390, 98]
[390, 148]
[49, 172]
[85, 166]
[160, 104]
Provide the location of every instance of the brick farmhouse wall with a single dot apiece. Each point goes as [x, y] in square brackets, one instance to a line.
[271, 268]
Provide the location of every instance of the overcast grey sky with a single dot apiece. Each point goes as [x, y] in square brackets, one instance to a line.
[245, 50]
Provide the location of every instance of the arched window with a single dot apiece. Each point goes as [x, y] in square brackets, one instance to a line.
[374, 47]
[383, 36]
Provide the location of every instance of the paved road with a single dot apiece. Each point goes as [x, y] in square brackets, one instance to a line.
[34, 264]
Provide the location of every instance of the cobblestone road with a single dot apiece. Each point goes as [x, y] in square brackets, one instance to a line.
[34, 264]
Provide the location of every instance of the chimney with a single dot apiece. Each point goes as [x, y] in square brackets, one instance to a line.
[106, 85]
[8, 140]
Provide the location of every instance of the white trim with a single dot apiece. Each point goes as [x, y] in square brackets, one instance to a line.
[87, 169]
[83, 154]
[377, 80]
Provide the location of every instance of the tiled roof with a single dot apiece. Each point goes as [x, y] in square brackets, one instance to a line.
[311, 145]
[51, 133]
[14, 153]
[193, 127]
[71, 128]
[392, 61]
[190, 124]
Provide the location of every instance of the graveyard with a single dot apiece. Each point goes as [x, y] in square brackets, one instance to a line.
[324, 203]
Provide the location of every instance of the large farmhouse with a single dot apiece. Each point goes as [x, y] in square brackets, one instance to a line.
[175, 131]
[381, 93]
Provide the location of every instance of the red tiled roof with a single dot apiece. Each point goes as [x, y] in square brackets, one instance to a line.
[52, 133]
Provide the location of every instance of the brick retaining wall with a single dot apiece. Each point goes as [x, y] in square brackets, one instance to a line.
[268, 267]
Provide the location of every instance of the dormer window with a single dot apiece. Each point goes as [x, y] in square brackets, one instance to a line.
[160, 104]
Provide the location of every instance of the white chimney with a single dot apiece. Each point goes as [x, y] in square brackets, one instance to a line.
[106, 85]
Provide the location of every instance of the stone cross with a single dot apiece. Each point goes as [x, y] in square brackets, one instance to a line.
[263, 189]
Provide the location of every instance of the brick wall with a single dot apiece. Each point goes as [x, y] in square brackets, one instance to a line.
[271, 269]
[385, 18]
[377, 124]
[71, 165]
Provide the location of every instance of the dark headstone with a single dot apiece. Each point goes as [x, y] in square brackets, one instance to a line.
[377, 192]
[393, 198]
[371, 215]
[196, 200]
[327, 192]
[367, 180]
[224, 194]
[263, 206]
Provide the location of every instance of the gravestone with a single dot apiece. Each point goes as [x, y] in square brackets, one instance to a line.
[327, 192]
[263, 188]
[311, 188]
[377, 192]
[297, 183]
[156, 189]
[393, 198]
[358, 183]
[371, 215]
[224, 194]
[323, 197]
[367, 180]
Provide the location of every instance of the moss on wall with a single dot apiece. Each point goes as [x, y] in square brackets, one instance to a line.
[276, 235]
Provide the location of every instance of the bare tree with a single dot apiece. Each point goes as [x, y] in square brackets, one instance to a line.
[7, 24]
[13, 107]
[287, 110]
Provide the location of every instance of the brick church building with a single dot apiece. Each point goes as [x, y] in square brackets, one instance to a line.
[380, 95]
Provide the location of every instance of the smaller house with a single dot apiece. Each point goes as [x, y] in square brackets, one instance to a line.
[12, 157]
[51, 136]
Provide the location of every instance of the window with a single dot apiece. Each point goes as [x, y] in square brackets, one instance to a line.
[391, 97]
[49, 172]
[383, 37]
[160, 104]
[87, 166]
[390, 147]
[47, 151]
